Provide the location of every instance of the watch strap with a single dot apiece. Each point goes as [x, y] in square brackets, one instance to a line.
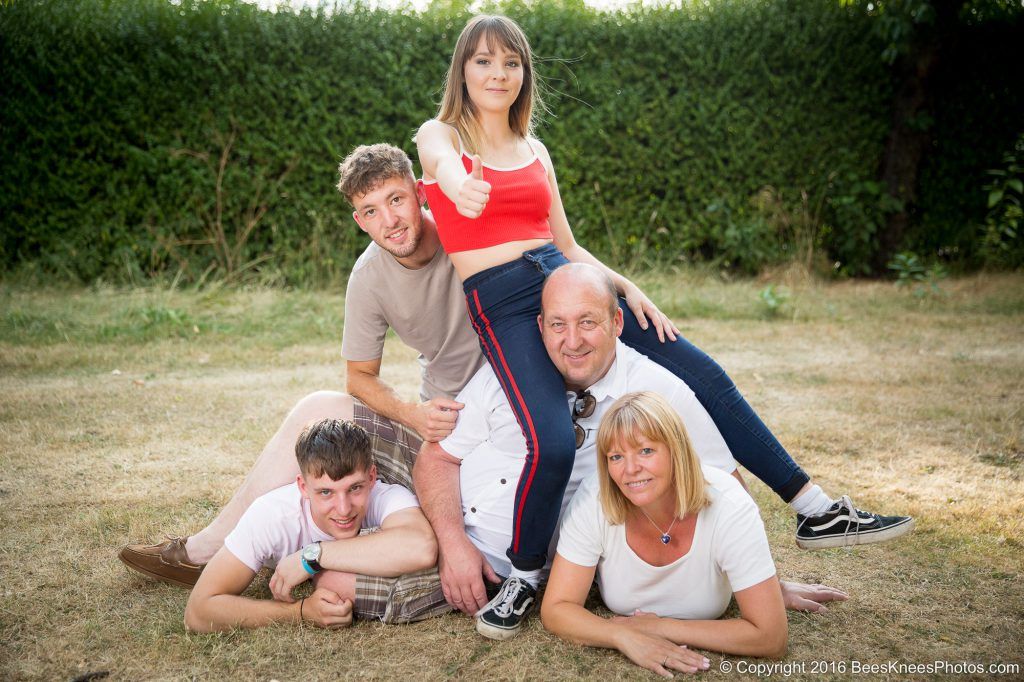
[312, 566]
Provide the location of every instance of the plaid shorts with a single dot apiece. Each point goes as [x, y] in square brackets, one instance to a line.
[405, 599]
[413, 596]
[394, 445]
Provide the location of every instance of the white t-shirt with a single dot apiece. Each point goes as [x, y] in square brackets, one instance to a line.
[729, 553]
[488, 440]
[279, 523]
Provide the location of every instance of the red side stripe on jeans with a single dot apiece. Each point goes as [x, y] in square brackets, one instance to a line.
[486, 348]
[491, 360]
[531, 435]
[503, 382]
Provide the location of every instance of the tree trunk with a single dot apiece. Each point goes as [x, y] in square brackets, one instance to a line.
[910, 131]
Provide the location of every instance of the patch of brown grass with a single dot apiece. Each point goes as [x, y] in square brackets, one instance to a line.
[910, 406]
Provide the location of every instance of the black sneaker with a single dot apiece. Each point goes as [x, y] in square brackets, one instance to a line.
[504, 615]
[844, 525]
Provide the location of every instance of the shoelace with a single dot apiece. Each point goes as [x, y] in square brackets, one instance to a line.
[507, 597]
[847, 503]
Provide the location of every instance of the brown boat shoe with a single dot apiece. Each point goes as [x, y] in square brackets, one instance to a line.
[167, 562]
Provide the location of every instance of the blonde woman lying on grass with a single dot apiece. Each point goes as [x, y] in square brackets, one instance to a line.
[670, 542]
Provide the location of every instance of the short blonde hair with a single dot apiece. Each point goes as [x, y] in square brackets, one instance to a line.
[648, 415]
[457, 110]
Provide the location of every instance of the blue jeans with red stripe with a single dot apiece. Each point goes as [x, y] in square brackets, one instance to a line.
[503, 305]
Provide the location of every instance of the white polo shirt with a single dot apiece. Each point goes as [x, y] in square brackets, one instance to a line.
[491, 446]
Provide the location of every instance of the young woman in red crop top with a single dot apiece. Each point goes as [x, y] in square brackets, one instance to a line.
[492, 189]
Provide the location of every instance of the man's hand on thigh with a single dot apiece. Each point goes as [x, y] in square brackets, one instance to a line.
[463, 568]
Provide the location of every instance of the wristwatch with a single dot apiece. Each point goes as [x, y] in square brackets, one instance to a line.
[311, 558]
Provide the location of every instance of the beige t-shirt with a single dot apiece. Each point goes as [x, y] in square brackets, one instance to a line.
[427, 309]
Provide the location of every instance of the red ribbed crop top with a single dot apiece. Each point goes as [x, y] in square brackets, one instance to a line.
[517, 209]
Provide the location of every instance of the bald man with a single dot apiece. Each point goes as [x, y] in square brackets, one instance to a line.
[467, 482]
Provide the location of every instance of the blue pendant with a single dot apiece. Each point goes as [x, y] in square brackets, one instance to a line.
[665, 538]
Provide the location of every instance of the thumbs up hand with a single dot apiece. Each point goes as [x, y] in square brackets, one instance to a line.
[474, 191]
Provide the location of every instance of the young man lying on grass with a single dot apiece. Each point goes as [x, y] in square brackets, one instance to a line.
[365, 544]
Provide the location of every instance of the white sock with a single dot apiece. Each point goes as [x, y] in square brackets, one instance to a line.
[532, 577]
[812, 502]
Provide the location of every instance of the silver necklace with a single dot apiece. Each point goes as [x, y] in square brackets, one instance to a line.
[665, 537]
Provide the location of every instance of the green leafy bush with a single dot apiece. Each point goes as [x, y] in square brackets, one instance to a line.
[977, 119]
[196, 140]
[912, 273]
[1002, 243]
[773, 301]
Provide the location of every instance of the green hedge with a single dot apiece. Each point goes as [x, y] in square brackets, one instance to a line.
[983, 117]
[690, 114]
[735, 132]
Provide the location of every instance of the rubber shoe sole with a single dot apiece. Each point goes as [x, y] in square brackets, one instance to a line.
[503, 617]
[864, 537]
[494, 632]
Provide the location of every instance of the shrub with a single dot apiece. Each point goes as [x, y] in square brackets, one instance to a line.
[196, 139]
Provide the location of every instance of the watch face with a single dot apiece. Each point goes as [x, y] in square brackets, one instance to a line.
[311, 552]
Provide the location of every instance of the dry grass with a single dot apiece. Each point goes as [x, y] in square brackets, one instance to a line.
[908, 405]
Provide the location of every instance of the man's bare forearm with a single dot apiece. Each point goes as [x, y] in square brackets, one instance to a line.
[433, 420]
[436, 477]
[225, 611]
[405, 547]
[379, 396]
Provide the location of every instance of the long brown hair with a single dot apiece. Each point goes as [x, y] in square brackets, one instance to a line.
[649, 415]
[457, 110]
